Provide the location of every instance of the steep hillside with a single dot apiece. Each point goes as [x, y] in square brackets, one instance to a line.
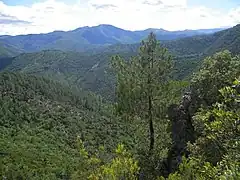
[86, 38]
[207, 44]
[190, 46]
[72, 68]
[90, 72]
[227, 39]
[40, 121]
[8, 50]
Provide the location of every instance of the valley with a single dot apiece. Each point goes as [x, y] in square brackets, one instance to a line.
[79, 68]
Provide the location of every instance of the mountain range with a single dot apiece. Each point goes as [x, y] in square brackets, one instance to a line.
[88, 38]
[90, 69]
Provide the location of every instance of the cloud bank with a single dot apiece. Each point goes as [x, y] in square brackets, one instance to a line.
[50, 15]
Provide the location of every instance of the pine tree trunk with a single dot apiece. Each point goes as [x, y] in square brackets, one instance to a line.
[151, 129]
[150, 108]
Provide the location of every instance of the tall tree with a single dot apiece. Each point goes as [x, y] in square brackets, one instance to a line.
[140, 82]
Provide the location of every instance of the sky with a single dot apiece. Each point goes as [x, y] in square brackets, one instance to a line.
[43, 16]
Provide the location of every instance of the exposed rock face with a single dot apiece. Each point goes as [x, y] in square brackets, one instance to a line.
[182, 130]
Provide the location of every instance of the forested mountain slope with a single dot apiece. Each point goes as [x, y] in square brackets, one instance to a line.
[8, 50]
[40, 120]
[196, 45]
[90, 72]
[207, 44]
[71, 68]
[227, 39]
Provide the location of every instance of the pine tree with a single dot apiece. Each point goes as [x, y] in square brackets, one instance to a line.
[141, 81]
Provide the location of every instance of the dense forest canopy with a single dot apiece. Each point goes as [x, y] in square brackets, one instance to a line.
[154, 110]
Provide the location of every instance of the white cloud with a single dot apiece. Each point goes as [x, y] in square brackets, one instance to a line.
[128, 14]
[234, 15]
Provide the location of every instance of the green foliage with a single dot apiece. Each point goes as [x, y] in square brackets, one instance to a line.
[133, 77]
[140, 80]
[215, 154]
[216, 72]
[194, 168]
[90, 72]
[219, 130]
[227, 39]
[40, 120]
[122, 166]
[143, 92]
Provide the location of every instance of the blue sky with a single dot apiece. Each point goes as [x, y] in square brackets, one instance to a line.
[221, 4]
[41, 16]
[216, 4]
[20, 2]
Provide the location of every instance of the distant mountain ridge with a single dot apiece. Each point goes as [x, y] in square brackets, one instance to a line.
[88, 38]
[199, 44]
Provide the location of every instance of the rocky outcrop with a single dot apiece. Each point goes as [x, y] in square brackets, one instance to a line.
[182, 131]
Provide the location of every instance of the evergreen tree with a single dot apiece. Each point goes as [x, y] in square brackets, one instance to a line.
[140, 82]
